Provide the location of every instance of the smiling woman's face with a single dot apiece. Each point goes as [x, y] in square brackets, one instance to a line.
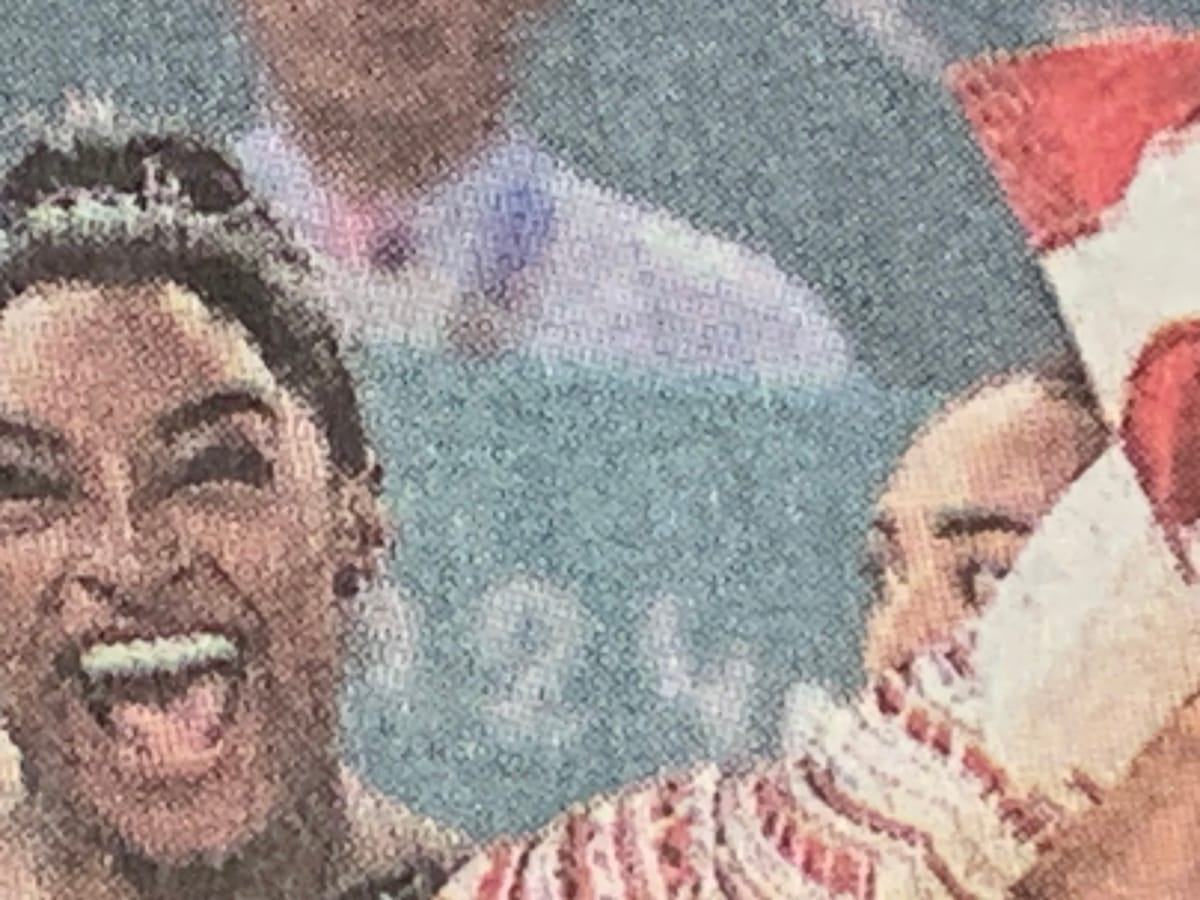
[962, 503]
[168, 542]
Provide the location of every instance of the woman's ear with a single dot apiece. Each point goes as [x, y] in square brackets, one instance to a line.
[362, 532]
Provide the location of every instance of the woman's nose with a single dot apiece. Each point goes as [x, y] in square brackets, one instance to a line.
[108, 557]
[118, 562]
[115, 542]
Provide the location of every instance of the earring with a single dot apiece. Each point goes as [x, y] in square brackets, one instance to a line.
[348, 582]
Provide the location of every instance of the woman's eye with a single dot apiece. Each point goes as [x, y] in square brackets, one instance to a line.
[25, 483]
[981, 580]
[223, 463]
[873, 570]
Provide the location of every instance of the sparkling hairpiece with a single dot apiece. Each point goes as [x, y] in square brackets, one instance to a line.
[90, 116]
[163, 214]
[159, 212]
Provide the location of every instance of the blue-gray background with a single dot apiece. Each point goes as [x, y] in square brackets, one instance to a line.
[703, 536]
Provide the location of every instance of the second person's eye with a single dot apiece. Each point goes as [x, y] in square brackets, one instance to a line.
[980, 581]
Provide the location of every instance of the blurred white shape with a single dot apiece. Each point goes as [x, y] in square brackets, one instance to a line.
[384, 642]
[662, 646]
[411, 305]
[808, 710]
[717, 693]
[1093, 640]
[722, 698]
[888, 25]
[529, 637]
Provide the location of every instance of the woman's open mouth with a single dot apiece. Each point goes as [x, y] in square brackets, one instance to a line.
[167, 702]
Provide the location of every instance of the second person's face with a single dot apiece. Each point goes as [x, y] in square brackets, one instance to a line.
[961, 505]
[386, 83]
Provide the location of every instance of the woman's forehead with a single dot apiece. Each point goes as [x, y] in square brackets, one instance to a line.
[77, 356]
[1002, 447]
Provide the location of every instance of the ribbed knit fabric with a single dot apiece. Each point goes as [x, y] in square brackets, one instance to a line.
[893, 796]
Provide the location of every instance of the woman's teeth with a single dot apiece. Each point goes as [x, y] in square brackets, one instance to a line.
[159, 655]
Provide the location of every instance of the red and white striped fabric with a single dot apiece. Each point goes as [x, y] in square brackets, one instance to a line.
[891, 797]
[1095, 636]
[1097, 147]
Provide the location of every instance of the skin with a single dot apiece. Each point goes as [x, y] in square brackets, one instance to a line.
[961, 504]
[1143, 841]
[105, 521]
[389, 95]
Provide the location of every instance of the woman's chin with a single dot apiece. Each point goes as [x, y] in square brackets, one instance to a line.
[193, 778]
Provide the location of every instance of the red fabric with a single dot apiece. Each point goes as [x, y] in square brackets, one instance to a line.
[1064, 128]
[799, 826]
[1161, 427]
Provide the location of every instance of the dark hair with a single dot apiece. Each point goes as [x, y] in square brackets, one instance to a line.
[93, 207]
[1065, 378]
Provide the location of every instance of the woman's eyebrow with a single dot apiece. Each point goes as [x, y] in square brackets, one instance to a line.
[970, 521]
[211, 408]
[34, 437]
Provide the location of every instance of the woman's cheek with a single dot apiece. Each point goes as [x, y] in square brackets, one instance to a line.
[257, 545]
[29, 566]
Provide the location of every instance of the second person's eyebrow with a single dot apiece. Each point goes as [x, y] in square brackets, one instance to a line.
[982, 520]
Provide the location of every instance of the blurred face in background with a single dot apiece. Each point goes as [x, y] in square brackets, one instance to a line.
[962, 502]
[388, 94]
